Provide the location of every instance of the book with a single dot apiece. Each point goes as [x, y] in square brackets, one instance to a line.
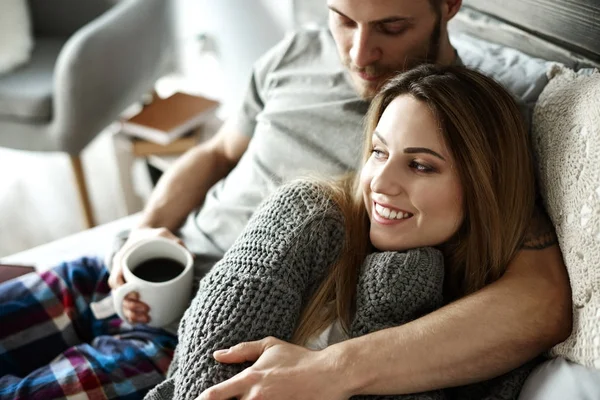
[164, 120]
[9, 271]
[145, 148]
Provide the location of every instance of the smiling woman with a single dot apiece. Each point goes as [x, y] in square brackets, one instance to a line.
[446, 148]
[407, 175]
[445, 194]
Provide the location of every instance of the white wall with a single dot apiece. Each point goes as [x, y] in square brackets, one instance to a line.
[242, 31]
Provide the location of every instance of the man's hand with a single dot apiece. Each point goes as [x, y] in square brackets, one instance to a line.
[281, 371]
[135, 310]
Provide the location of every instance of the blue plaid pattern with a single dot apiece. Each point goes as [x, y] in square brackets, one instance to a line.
[52, 346]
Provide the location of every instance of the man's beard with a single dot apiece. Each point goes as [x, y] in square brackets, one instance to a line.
[429, 56]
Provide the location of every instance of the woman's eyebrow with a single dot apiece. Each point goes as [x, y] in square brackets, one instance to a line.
[415, 150]
[375, 133]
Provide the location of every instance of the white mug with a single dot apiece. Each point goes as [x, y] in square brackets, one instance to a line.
[167, 300]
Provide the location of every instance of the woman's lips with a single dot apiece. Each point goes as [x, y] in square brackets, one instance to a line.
[380, 219]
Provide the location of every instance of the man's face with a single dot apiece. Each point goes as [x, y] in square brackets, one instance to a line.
[378, 38]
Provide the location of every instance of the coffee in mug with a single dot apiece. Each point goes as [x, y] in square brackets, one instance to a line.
[162, 272]
[158, 270]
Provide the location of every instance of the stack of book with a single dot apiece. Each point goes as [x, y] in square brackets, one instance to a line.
[170, 125]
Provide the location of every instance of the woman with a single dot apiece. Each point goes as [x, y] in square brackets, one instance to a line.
[438, 211]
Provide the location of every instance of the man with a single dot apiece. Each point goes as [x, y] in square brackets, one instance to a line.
[303, 113]
[484, 335]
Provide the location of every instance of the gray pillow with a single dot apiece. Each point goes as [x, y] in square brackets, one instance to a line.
[522, 74]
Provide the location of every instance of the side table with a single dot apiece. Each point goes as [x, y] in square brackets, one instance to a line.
[158, 158]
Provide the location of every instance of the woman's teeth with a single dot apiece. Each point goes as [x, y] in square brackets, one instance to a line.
[391, 214]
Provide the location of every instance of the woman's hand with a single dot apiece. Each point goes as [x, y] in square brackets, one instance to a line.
[135, 310]
[281, 371]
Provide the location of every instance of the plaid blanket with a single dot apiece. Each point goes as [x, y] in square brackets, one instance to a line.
[52, 346]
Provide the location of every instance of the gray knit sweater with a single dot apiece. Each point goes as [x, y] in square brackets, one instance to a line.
[260, 286]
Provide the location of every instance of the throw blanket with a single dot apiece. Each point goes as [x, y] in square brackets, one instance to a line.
[260, 286]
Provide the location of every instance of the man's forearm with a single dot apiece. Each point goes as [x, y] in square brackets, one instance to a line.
[183, 188]
[473, 339]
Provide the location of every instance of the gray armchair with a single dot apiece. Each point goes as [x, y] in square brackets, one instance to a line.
[91, 60]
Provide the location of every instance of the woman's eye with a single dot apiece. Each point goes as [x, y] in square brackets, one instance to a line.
[377, 153]
[421, 167]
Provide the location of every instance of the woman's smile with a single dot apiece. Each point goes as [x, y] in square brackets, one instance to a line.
[389, 216]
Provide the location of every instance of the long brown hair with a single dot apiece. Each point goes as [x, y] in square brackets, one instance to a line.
[483, 128]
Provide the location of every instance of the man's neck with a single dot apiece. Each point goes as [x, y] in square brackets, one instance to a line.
[447, 54]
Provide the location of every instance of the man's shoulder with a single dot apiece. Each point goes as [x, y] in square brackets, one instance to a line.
[304, 48]
[312, 39]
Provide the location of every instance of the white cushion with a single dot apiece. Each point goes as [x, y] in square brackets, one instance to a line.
[559, 379]
[566, 139]
[15, 31]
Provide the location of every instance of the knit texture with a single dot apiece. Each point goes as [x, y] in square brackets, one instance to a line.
[567, 145]
[396, 288]
[258, 289]
[261, 285]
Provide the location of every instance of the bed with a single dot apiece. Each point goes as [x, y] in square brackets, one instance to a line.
[564, 31]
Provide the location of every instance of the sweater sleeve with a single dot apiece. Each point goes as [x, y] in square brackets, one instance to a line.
[258, 288]
[395, 288]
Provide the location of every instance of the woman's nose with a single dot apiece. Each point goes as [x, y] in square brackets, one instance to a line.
[388, 181]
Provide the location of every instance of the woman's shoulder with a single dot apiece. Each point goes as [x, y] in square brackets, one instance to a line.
[303, 189]
[308, 197]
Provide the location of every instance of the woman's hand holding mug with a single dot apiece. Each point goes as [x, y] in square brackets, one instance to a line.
[132, 308]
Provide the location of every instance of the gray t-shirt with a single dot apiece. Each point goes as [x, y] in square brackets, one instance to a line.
[304, 117]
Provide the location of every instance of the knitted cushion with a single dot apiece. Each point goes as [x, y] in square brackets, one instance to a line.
[566, 133]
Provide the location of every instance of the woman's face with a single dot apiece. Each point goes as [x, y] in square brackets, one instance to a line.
[411, 189]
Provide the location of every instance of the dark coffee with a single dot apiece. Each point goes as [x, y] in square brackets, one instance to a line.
[158, 270]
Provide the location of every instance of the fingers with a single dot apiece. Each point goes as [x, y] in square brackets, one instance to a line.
[116, 274]
[115, 280]
[135, 317]
[135, 311]
[164, 232]
[230, 389]
[247, 351]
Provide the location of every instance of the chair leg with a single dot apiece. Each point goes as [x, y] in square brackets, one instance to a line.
[84, 197]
